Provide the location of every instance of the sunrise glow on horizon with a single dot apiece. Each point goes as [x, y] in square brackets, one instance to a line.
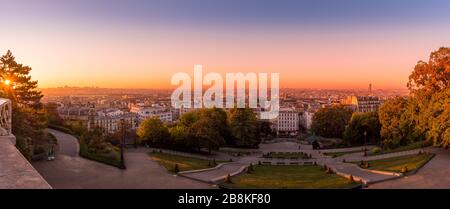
[141, 44]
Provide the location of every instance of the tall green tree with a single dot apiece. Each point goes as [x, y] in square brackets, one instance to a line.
[244, 127]
[361, 123]
[397, 128]
[94, 140]
[153, 131]
[207, 134]
[20, 87]
[429, 84]
[219, 121]
[28, 121]
[331, 121]
[265, 128]
[51, 109]
[204, 128]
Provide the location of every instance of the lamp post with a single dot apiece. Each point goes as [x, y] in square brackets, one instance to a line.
[365, 143]
[122, 142]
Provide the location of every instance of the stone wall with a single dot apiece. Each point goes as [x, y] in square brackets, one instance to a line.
[15, 171]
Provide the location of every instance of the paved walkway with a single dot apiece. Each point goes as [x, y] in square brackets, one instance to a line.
[79, 173]
[216, 175]
[220, 156]
[70, 171]
[360, 156]
[68, 145]
[344, 169]
[366, 176]
[435, 174]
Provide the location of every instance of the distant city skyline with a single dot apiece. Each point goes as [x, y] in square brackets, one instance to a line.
[141, 44]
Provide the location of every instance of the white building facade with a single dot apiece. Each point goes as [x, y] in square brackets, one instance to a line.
[287, 122]
[143, 113]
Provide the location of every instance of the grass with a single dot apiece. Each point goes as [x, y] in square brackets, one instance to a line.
[237, 153]
[411, 146]
[287, 155]
[184, 163]
[288, 177]
[112, 158]
[338, 154]
[396, 164]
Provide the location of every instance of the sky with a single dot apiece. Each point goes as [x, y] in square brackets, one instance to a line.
[141, 44]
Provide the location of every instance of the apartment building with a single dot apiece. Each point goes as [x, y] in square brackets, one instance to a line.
[363, 103]
[144, 112]
[287, 122]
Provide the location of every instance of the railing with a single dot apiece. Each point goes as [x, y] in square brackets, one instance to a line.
[5, 117]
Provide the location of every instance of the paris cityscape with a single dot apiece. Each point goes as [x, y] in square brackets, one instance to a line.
[361, 95]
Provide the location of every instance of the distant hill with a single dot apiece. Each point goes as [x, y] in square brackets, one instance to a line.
[66, 91]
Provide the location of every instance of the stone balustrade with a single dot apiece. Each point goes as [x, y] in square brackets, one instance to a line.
[15, 171]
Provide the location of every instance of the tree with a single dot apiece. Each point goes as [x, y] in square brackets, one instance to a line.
[429, 84]
[397, 128]
[207, 134]
[219, 121]
[153, 131]
[181, 137]
[331, 121]
[432, 76]
[244, 127]
[53, 116]
[94, 140]
[28, 121]
[23, 90]
[265, 128]
[361, 123]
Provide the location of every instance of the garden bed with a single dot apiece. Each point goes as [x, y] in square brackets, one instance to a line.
[183, 163]
[289, 177]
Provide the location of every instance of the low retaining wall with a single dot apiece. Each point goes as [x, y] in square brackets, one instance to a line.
[215, 180]
[15, 171]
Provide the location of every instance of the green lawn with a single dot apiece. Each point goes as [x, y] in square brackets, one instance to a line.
[287, 155]
[184, 163]
[411, 146]
[338, 154]
[111, 158]
[288, 177]
[396, 164]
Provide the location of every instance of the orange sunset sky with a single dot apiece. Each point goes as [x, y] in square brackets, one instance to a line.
[121, 46]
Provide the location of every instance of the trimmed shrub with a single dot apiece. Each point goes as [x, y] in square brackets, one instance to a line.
[228, 179]
[376, 151]
[176, 169]
[330, 171]
[404, 169]
[351, 179]
[250, 168]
